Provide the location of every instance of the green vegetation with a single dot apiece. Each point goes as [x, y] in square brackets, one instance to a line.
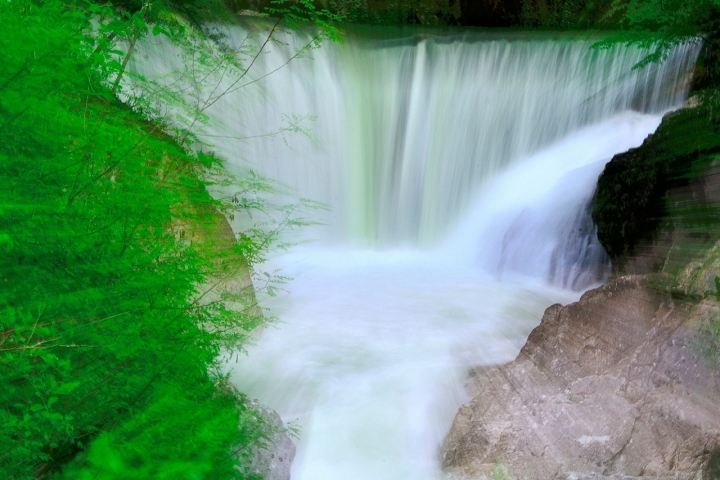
[571, 14]
[114, 307]
[663, 24]
[398, 12]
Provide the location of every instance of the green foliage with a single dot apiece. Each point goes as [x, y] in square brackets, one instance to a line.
[110, 331]
[567, 14]
[661, 25]
[179, 435]
[397, 12]
[295, 13]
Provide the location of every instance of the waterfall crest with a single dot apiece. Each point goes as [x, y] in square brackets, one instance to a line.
[408, 130]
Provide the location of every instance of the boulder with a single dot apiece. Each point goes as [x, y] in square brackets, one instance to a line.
[614, 386]
[273, 458]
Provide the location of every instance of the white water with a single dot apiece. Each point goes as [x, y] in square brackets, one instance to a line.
[373, 352]
[457, 172]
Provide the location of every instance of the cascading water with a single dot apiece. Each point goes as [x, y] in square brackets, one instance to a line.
[457, 172]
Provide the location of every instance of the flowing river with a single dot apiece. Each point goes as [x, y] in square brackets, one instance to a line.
[456, 169]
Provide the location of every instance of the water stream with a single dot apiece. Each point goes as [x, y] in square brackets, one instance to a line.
[457, 170]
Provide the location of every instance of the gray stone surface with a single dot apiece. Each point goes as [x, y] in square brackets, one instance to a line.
[610, 387]
[274, 461]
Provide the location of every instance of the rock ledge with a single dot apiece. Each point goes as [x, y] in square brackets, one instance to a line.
[610, 386]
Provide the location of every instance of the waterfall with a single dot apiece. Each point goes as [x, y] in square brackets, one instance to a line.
[407, 131]
[457, 171]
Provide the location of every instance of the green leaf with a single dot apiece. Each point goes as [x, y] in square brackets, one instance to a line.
[66, 388]
[6, 242]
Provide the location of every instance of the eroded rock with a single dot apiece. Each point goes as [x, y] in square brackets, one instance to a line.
[610, 387]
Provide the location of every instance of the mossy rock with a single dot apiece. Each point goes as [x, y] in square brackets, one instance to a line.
[649, 190]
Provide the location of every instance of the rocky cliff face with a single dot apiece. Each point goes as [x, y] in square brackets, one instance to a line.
[613, 386]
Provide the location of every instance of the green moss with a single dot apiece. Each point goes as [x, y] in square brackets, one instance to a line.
[633, 200]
